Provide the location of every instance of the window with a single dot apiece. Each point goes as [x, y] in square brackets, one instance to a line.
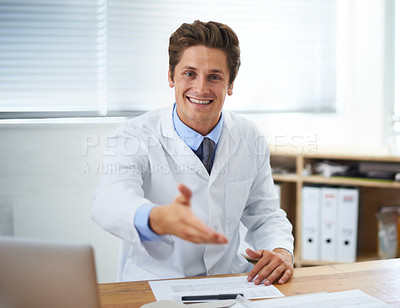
[52, 56]
[98, 57]
[397, 61]
[393, 139]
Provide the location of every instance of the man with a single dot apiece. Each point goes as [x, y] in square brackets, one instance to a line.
[194, 230]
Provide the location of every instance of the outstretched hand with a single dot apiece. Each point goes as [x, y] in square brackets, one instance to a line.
[178, 219]
[270, 266]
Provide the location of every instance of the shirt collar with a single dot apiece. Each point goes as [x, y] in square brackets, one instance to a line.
[192, 138]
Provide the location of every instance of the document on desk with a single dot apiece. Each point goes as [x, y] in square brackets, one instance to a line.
[348, 299]
[175, 289]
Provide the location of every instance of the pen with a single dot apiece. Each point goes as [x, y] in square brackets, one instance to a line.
[210, 297]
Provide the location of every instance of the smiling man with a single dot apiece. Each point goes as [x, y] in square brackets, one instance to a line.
[190, 173]
[201, 81]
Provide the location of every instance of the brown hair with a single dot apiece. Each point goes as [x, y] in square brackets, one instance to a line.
[211, 34]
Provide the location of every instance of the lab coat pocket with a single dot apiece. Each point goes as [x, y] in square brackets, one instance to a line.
[236, 196]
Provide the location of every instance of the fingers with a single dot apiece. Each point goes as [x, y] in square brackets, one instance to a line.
[271, 267]
[256, 255]
[178, 219]
[197, 237]
[194, 230]
[186, 193]
[270, 273]
[285, 276]
[256, 269]
[207, 234]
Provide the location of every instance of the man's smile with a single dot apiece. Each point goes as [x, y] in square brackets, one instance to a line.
[199, 101]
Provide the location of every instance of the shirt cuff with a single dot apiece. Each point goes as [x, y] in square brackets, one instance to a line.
[141, 222]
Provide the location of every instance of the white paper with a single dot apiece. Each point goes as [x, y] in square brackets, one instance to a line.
[346, 299]
[175, 289]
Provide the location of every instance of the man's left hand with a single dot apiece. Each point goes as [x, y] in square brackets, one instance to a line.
[270, 266]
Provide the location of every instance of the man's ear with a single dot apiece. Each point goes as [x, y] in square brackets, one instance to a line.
[230, 89]
[170, 81]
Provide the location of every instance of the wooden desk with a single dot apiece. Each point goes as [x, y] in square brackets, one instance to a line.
[380, 279]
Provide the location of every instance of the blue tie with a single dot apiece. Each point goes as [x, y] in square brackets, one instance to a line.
[207, 150]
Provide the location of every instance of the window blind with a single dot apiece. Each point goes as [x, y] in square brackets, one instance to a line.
[288, 52]
[52, 55]
[109, 56]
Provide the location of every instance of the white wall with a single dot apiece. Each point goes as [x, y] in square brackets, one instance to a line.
[47, 178]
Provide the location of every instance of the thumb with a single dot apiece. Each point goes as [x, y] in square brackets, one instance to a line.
[254, 254]
[186, 194]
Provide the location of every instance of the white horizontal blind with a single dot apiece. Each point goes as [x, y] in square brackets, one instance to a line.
[138, 37]
[289, 55]
[52, 55]
[112, 55]
[288, 52]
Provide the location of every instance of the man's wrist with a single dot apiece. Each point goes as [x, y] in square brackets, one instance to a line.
[285, 252]
[141, 222]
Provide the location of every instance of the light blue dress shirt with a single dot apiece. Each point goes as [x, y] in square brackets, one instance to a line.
[193, 139]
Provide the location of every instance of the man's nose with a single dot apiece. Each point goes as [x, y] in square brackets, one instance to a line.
[200, 85]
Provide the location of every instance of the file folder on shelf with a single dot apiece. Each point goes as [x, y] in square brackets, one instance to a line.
[347, 225]
[329, 208]
[310, 220]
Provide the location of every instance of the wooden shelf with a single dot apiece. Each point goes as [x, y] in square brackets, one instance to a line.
[373, 193]
[290, 177]
[336, 180]
[364, 182]
[368, 256]
[369, 158]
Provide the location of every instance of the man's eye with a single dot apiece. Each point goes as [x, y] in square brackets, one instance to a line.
[189, 74]
[215, 77]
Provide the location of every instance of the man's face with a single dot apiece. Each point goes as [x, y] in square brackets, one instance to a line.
[201, 81]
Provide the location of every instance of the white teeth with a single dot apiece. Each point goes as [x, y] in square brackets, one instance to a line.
[196, 101]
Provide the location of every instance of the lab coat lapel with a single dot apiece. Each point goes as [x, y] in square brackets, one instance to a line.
[227, 146]
[185, 160]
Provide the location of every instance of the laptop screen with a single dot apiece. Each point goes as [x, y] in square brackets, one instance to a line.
[47, 275]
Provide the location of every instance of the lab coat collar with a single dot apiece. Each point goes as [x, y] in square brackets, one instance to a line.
[227, 146]
[179, 151]
[183, 154]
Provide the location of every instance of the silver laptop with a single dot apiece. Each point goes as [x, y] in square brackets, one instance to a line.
[37, 274]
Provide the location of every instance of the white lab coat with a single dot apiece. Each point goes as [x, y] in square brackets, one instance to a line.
[146, 161]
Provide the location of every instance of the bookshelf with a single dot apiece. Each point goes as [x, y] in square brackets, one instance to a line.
[293, 171]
